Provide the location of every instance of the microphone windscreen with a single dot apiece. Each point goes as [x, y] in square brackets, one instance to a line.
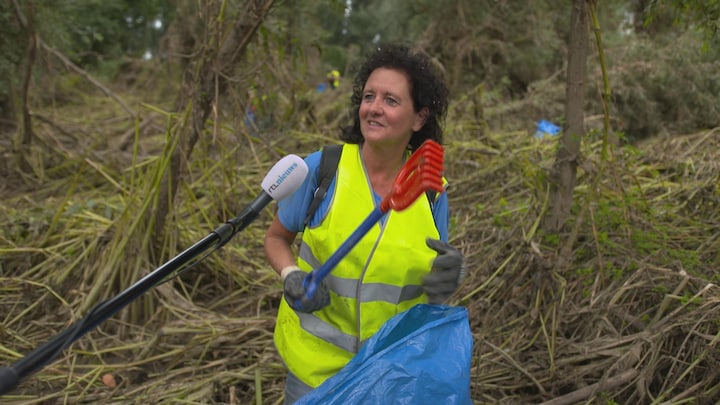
[285, 177]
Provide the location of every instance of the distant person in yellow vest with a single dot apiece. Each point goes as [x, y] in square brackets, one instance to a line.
[332, 81]
[399, 101]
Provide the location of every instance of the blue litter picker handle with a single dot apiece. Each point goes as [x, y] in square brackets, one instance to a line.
[421, 173]
[315, 277]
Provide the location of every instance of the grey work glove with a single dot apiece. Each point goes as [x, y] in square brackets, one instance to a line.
[448, 271]
[295, 290]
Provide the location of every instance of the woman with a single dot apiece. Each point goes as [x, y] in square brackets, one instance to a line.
[398, 102]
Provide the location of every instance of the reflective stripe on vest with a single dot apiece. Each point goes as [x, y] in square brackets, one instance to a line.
[347, 287]
[380, 277]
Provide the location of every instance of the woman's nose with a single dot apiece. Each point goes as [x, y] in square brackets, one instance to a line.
[376, 107]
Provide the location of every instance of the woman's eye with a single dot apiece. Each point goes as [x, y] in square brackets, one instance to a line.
[368, 96]
[391, 101]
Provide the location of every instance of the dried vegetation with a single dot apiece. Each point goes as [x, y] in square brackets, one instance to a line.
[623, 308]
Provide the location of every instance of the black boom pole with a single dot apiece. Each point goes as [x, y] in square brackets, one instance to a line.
[12, 375]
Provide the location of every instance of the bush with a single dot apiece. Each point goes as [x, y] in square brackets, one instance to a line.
[664, 88]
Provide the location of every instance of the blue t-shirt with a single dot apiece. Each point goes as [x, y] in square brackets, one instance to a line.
[292, 210]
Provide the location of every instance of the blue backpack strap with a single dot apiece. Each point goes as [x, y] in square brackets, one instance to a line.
[329, 160]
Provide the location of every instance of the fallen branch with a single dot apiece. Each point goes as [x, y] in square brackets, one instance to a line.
[68, 64]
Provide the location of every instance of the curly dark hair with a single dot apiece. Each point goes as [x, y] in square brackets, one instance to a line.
[427, 88]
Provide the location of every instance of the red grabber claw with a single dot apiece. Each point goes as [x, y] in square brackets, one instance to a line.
[421, 173]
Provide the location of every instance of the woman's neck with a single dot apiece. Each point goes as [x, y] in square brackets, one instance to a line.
[382, 166]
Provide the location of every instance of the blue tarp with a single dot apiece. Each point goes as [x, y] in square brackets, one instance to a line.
[421, 356]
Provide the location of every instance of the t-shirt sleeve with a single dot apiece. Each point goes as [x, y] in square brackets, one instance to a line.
[292, 209]
[441, 215]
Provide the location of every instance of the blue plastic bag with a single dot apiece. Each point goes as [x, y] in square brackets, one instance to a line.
[421, 356]
[545, 128]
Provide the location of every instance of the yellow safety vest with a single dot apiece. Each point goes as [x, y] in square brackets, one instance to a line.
[380, 277]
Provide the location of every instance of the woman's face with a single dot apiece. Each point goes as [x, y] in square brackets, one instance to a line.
[387, 114]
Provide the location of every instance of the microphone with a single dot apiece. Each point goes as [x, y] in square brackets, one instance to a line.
[282, 180]
[285, 177]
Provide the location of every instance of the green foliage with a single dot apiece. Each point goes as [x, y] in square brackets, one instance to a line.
[335, 57]
[586, 276]
[690, 299]
[479, 41]
[664, 87]
[704, 14]
[615, 273]
[551, 240]
[610, 223]
[91, 31]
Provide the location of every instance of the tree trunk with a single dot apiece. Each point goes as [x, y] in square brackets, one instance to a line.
[562, 177]
[27, 22]
[204, 81]
[30, 61]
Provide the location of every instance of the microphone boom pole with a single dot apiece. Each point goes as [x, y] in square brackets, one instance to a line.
[10, 376]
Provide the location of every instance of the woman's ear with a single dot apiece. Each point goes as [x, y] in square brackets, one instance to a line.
[420, 118]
